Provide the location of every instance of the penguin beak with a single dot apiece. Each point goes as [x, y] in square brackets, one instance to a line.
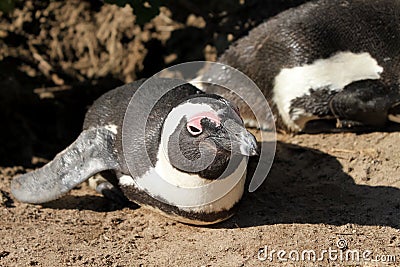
[248, 144]
[237, 139]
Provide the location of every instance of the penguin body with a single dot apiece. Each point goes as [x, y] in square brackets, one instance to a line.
[325, 65]
[160, 167]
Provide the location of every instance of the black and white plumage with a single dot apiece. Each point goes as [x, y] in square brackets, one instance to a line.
[327, 65]
[180, 120]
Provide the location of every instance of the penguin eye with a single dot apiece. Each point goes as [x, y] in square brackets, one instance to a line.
[194, 126]
[193, 130]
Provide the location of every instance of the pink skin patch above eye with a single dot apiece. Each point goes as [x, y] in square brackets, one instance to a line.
[194, 124]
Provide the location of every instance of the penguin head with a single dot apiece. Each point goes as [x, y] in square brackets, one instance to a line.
[202, 134]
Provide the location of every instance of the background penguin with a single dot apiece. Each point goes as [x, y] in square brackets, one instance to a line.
[178, 122]
[324, 66]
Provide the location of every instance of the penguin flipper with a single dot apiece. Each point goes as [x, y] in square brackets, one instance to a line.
[92, 152]
[362, 104]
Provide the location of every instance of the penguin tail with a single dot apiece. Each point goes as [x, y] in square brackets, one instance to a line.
[92, 152]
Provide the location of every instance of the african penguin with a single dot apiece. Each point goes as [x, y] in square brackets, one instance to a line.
[327, 65]
[182, 125]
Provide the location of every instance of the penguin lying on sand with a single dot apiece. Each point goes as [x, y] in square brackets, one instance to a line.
[328, 65]
[185, 121]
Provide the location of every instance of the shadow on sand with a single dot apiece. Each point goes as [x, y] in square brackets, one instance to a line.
[309, 186]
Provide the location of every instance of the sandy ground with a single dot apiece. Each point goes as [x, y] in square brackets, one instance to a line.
[58, 56]
[321, 189]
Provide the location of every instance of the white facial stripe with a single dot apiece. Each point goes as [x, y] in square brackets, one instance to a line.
[187, 110]
[335, 73]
